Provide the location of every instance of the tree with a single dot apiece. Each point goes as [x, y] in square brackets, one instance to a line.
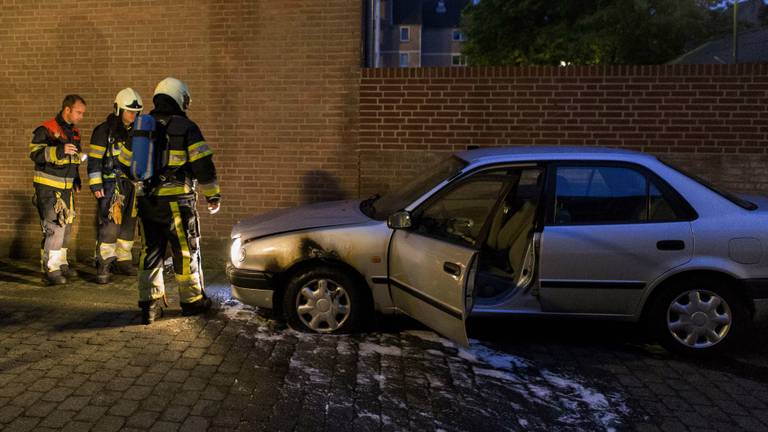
[548, 32]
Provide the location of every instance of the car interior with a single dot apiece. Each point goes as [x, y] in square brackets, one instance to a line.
[506, 257]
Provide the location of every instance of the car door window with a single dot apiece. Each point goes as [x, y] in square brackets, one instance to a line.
[609, 194]
[659, 208]
[459, 215]
[599, 195]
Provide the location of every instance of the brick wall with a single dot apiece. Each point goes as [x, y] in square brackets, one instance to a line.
[278, 92]
[273, 83]
[713, 119]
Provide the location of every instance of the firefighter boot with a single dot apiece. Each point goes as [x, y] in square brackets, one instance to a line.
[196, 307]
[150, 311]
[54, 278]
[125, 268]
[68, 271]
[103, 275]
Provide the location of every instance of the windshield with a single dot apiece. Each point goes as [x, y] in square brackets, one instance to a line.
[400, 197]
[748, 205]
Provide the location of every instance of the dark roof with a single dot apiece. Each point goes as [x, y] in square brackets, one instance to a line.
[753, 48]
[407, 12]
[450, 18]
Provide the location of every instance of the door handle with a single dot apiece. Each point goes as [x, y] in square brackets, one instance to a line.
[670, 245]
[452, 268]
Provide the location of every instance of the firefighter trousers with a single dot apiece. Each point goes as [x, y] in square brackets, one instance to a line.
[174, 222]
[115, 240]
[56, 229]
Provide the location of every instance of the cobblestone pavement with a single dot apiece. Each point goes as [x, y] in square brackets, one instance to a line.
[75, 358]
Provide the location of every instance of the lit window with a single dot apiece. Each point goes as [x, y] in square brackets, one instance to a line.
[405, 34]
[405, 60]
[458, 60]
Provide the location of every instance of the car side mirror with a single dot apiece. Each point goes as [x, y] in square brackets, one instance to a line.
[399, 220]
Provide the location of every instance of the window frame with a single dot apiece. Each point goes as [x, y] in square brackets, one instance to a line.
[407, 57]
[459, 33]
[730, 196]
[461, 60]
[684, 211]
[407, 34]
[469, 176]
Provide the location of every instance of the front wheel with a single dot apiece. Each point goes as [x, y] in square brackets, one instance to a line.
[325, 300]
[699, 318]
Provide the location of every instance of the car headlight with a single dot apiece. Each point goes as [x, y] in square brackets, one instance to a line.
[237, 252]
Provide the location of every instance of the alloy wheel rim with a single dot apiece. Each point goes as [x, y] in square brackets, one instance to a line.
[323, 305]
[699, 318]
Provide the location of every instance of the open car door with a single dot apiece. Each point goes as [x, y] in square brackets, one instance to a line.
[429, 281]
[432, 264]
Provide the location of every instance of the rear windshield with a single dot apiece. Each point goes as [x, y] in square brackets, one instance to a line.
[741, 202]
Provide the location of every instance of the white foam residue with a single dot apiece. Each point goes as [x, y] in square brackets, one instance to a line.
[434, 382]
[540, 392]
[268, 336]
[315, 375]
[572, 402]
[594, 399]
[477, 353]
[384, 419]
[344, 348]
[564, 394]
[367, 348]
[236, 311]
[430, 337]
[369, 415]
[498, 374]
[600, 405]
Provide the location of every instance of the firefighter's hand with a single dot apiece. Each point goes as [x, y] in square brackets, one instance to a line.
[70, 149]
[214, 206]
[99, 193]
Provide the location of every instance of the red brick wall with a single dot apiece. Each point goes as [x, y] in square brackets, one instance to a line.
[274, 90]
[279, 95]
[711, 118]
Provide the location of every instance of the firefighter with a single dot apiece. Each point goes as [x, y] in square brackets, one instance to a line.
[113, 189]
[55, 149]
[167, 204]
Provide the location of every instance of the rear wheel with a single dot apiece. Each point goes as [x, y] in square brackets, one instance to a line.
[325, 300]
[699, 317]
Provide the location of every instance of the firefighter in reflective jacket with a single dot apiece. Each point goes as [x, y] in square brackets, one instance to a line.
[113, 189]
[167, 205]
[55, 149]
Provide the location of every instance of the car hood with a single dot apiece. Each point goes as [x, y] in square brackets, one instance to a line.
[309, 216]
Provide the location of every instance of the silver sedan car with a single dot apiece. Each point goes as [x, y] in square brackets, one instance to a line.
[537, 231]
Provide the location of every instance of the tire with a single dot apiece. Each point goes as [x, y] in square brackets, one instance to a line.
[699, 318]
[327, 300]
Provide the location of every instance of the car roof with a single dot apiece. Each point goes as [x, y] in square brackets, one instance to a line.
[521, 153]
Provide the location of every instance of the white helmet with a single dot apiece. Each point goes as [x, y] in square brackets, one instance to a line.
[176, 89]
[128, 99]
